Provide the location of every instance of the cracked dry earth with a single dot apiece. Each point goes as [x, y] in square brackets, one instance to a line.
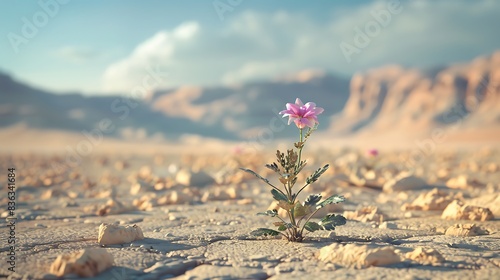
[205, 234]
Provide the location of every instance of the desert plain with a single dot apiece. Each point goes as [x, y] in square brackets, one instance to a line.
[432, 217]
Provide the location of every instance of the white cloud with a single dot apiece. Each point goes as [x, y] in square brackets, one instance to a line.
[255, 45]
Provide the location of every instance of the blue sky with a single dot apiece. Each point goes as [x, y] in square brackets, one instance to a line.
[105, 46]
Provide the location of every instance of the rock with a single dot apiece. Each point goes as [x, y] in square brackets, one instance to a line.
[462, 182]
[176, 197]
[85, 263]
[457, 210]
[490, 201]
[114, 234]
[365, 214]
[112, 207]
[386, 225]
[221, 193]
[425, 256]
[357, 178]
[145, 172]
[358, 256]
[194, 179]
[459, 182]
[430, 201]
[140, 186]
[465, 230]
[404, 182]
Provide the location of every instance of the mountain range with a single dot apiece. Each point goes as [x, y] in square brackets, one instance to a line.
[391, 100]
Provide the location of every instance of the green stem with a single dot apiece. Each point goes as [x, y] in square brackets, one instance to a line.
[302, 189]
[287, 229]
[300, 150]
[302, 230]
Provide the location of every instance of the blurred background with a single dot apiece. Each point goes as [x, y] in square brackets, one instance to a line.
[133, 76]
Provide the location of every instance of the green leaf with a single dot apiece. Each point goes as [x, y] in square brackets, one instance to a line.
[255, 174]
[285, 205]
[271, 213]
[264, 232]
[312, 199]
[332, 199]
[315, 176]
[300, 211]
[312, 226]
[278, 196]
[331, 221]
[282, 227]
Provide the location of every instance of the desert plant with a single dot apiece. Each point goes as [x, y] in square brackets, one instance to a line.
[288, 165]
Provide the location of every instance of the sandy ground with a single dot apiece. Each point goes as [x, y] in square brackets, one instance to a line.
[205, 233]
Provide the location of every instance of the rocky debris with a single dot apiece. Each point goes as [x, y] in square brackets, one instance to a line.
[365, 214]
[176, 197]
[462, 182]
[404, 182]
[425, 256]
[112, 207]
[48, 194]
[115, 234]
[145, 172]
[388, 225]
[457, 210]
[358, 256]
[224, 272]
[140, 186]
[431, 201]
[221, 193]
[465, 230]
[146, 202]
[194, 178]
[357, 178]
[85, 263]
[490, 201]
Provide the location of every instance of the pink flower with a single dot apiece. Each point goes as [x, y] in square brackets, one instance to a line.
[302, 115]
[372, 152]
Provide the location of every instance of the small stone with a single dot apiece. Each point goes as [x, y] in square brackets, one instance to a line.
[425, 256]
[387, 225]
[358, 256]
[490, 201]
[465, 230]
[112, 207]
[139, 186]
[194, 179]
[430, 201]
[114, 234]
[365, 214]
[404, 182]
[85, 263]
[459, 182]
[457, 210]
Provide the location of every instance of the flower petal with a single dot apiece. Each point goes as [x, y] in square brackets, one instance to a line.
[299, 102]
[294, 109]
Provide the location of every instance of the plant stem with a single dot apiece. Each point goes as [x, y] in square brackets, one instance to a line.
[289, 230]
[300, 149]
[302, 230]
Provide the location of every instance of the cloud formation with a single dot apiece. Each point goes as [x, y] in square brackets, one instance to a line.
[254, 45]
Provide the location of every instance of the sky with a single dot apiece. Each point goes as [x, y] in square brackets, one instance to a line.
[109, 47]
